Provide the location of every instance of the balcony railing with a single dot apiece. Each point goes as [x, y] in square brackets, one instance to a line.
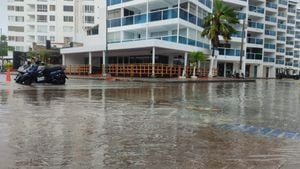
[281, 38]
[241, 15]
[254, 56]
[271, 19]
[290, 42]
[270, 46]
[282, 14]
[237, 35]
[296, 65]
[280, 50]
[289, 63]
[255, 41]
[292, 10]
[291, 21]
[291, 32]
[155, 16]
[271, 5]
[282, 2]
[280, 62]
[297, 46]
[290, 53]
[256, 9]
[269, 59]
[270, 32]
[255, 25]
[281, 26]
[229, 52]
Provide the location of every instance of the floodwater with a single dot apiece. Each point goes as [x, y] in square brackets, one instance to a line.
[90, 124]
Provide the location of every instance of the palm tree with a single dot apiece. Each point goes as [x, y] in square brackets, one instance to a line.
[196, 58]
[219, 22]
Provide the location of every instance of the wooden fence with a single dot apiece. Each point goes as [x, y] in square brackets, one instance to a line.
[139, 70]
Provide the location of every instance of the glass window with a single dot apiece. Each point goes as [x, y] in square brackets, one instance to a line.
[68, 8]
[42, 8]
[68, 18]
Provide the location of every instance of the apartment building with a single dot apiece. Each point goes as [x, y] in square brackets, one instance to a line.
[60, 21]
[164, 32]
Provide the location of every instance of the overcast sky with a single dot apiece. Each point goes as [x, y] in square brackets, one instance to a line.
[3, 16]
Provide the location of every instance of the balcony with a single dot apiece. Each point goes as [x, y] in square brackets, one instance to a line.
[269, 59]
[281, 14]
[291, 21]
[256, 9]
[255, 41]
[297, 46]
[280, 50]
[237, 35]
[281, 38]
[271, 5]
[191, 42]
[289, 64]
[281, 26]
[283, 2]
[254, 56]
[290, 53]
[269, 46]
[290, 42]
[271, 19]
[291, 32]
[241, 15]
[290, 10]
[280, 62]
[255, 25]
[270, 32]
[296, 65]
[229, 52]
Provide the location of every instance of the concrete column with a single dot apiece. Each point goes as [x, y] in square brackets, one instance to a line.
[153, 62]
[260, 70]
[178, 27]
[103, 63]
[185, 65]
[64, 60]
[90, 63]
[225, 68]
[272, 72]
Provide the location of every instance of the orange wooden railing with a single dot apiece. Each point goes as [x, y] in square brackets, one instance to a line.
[77, 69]
[139, 70]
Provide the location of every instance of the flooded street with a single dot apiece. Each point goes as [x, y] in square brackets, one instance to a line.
[89, 124]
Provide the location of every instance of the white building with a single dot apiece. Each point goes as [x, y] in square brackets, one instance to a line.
[160, 32]
[60, 21]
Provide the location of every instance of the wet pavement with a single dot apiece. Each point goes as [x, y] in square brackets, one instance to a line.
[89, 124]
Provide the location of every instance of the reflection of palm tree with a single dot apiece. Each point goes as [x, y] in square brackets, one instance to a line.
[197, 58]
[219, 22]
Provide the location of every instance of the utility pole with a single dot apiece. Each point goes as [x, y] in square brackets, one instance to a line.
[1, 46]
[242, 48]
[106, 44]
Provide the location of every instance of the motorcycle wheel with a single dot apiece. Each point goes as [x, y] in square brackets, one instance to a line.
[59, 80]
[27, 82]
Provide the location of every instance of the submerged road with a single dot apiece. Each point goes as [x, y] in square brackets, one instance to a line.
[88, 124]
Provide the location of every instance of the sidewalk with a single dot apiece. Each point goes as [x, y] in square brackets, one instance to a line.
[163, 80]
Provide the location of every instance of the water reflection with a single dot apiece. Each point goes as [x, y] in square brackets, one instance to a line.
[119, 125]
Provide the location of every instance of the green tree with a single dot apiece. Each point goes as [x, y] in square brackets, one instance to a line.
[219, 23]
[4, 48]
[195, 59]
[44, 55]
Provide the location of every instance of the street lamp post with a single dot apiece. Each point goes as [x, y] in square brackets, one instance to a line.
[242, 49]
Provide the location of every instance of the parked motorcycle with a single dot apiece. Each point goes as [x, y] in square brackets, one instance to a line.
[41, 74]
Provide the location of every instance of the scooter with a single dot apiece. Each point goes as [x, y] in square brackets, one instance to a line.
[54, 75]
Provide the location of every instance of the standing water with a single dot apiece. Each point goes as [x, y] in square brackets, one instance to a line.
[110, 125]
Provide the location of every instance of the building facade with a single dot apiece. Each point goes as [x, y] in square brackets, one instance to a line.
[161, 32]
[60, 21]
